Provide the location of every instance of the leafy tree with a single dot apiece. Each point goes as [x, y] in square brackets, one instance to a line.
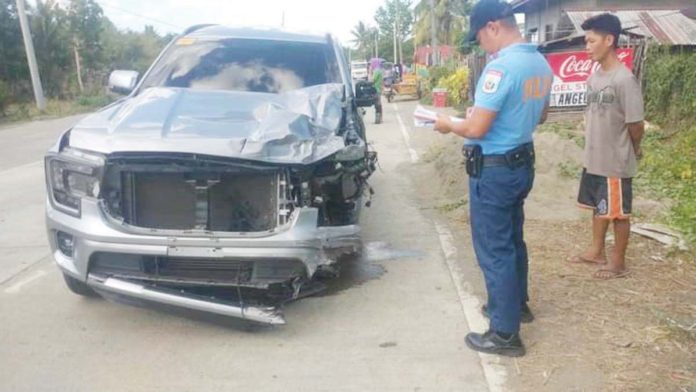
[13, 63]
[394, 13]
[408, 49]
[151, 45]
[67, 33]
[129, 49]
[451, 19]
[86, 17]
[4, 97]
[52, 45]
[85, 24]
[363, 40]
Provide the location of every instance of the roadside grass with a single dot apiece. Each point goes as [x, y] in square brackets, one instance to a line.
[668, 171]
[570, 169]
[54, 108]
[433, 152]
[566, 129]
[453, 206]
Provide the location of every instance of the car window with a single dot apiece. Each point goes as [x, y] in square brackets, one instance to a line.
[244, 65]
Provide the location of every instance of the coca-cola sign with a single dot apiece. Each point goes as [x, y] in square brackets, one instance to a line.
[571, 70]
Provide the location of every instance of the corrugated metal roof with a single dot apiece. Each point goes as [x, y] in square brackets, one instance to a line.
[518, 5]
[666, 26]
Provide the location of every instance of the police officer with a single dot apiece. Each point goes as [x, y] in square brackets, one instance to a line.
[511, 99]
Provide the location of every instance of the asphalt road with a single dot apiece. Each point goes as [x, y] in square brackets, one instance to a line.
[394, 321]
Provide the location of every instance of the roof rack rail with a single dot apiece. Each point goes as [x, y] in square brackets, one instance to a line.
[197, 27]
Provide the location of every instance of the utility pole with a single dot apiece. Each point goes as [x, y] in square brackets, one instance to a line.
[31, 57]
[376, 47]
[396, 60]
[399, 42]
[433, 34]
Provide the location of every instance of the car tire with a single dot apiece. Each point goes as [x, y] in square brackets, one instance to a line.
[78, 287]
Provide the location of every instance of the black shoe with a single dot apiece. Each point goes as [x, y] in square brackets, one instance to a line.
[526, 315]
[492, 343]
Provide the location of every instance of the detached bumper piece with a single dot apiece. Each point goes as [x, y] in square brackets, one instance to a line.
[265, 315]
[201, 284]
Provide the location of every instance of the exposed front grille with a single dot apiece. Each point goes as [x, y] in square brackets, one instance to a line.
[205, 269]
[213, 201]
[196, 271]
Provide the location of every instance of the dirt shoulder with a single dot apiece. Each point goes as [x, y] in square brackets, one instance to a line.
[631, 334]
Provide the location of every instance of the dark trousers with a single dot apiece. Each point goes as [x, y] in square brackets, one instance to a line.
[496, 201]
[378, 107]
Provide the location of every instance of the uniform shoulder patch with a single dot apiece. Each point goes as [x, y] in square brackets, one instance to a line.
[491, 81]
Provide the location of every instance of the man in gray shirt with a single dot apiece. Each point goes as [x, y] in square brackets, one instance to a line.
[613, 132]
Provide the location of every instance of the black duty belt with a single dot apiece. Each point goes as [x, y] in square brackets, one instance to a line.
[522, 155]
[510, 159]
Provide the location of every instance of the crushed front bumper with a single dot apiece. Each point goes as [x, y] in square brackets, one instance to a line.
[95, 233]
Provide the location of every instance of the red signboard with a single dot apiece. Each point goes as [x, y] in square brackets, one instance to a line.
[570, 73]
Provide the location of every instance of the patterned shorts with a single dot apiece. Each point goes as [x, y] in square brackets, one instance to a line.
[609, 197]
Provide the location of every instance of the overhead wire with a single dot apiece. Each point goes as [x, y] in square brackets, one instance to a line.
[623, 22]
[111, 6]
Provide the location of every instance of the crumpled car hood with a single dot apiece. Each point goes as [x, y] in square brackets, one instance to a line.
[290, 128]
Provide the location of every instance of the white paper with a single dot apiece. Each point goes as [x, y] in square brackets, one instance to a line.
[424, 118]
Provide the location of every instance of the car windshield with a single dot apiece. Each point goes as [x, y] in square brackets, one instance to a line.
[360, 67]
[244, 65]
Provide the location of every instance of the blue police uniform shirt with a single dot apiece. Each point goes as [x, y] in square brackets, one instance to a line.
[516, 85]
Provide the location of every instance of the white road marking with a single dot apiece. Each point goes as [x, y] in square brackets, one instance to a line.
[404, 132]
[493, 369]
[15, 288]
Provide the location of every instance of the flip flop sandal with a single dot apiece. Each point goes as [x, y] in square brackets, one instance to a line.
[578, 259]
[613, 274]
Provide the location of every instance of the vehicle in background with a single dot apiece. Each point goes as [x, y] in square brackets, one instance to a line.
[359, 70]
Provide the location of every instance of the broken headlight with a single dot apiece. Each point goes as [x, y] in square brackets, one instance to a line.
[72, 175]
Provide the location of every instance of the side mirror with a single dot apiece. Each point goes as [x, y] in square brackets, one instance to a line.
[123, 82]
[365, 93]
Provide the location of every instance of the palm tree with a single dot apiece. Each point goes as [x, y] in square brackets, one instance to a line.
[450, 20]
[363, 39]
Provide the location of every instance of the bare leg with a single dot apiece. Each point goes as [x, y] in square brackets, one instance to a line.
[595, 254]
[599, 235]
[617, 261]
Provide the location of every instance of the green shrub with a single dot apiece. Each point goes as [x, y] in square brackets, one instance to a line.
[669, 170]
[669, 166]
[436, 74]
[94, 101]
[670, 77]
[4, 97]
[457, 85]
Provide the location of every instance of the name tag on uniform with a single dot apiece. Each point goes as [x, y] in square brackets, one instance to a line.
[491, 81]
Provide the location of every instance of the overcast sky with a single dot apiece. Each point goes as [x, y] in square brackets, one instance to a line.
[335, 16]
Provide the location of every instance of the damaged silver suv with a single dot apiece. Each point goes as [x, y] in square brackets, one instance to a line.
[230, 176]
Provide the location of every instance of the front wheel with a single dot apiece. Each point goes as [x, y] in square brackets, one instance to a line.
[79, 288]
